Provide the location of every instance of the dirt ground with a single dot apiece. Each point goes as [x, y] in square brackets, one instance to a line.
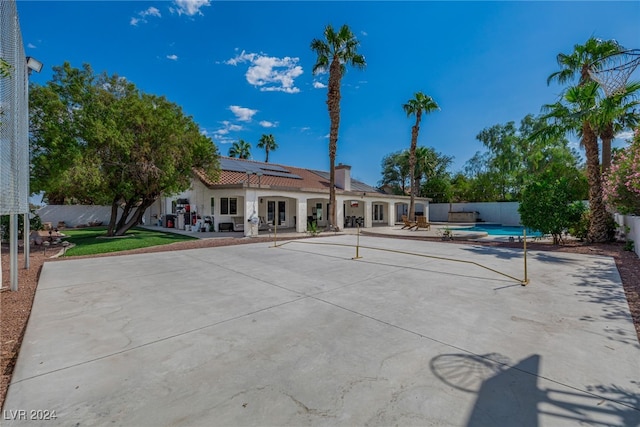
[15, 307]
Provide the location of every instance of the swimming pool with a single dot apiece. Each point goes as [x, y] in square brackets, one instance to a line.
[502, 230]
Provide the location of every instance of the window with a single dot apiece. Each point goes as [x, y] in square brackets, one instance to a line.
[228, 206]
[213, 206]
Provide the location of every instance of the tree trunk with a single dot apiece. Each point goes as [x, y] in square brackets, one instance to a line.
[412, 165]
[114, 217]
[607, 136]
[599, 215]
[333, 103]
[135, 218]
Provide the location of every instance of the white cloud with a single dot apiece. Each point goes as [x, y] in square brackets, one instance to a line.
[242, 113]
[364, 33]
[172, 57]
[266, 124]
[227, 127]
[319, 85]
[190, 7]
[269, 73]
[305, 128]
[151, 11]
[625, 135]
[31, 46]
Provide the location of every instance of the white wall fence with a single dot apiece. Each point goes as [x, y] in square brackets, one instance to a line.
[74, 215]
[505, 213]
[633, 222]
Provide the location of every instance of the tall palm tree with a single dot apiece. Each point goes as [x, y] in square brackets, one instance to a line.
[268, 142]
[334, 53]
[581, 102]
[419, 104]
[240, 149]
[617, 113]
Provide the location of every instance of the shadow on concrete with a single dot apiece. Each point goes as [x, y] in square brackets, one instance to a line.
[513, 253]
[510, 394]
[600, 284]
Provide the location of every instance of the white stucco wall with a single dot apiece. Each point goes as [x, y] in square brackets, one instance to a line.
[505, 213]
[633, 222]
[74, 215]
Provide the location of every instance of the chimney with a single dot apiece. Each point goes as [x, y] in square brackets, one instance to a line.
[343, 177]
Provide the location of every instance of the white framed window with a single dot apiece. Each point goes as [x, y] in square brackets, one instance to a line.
[228, 206]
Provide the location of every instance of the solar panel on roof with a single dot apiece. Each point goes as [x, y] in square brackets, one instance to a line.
[234, 165]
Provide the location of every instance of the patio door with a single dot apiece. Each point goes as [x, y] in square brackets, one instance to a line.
[378, 212]
[277, 210]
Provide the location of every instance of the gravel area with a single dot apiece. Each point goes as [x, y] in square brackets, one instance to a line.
[15, 307]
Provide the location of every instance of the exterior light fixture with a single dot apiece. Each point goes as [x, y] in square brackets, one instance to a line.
[33, 64]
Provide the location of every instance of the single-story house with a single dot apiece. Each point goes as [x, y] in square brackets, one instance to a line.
[287, 196]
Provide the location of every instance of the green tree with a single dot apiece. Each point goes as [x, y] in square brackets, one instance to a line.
[120, 146]
[577, 112]
[419, 104]
[517, 155]
[334, 53]
[240, 149]
[548, 205]
[268, 142]
[395, 172]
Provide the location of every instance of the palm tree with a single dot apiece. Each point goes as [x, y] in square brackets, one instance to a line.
[240, 149]
[419, 104]
[578, 114]
[267, 142]
[617, 113]
[334, 53]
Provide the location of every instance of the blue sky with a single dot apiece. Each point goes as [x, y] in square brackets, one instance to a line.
[242, 69]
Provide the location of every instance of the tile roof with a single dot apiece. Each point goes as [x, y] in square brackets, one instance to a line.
[234, 172]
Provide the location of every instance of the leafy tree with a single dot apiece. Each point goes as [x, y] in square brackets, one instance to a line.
[517, 155]
[395, 172]
[268, 142]
[430, 166]
[578, 112]
[419, 104]
[547, 206]
[240, 149]
[333, 54]
[98, 139]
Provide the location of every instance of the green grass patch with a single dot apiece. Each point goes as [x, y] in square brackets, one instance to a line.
[93, 241]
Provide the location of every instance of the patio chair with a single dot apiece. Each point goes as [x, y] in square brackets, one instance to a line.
[423, 223]
[407, 224]
[238, 223]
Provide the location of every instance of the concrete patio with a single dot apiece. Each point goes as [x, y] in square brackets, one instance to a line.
[305, 335]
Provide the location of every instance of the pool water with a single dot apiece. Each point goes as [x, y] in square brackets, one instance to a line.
[502, 230]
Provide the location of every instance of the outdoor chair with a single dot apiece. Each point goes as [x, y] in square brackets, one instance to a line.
[238, 223]
[422, 223]
[407, 224]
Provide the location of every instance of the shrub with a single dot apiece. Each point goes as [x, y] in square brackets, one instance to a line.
[35, 223]
[621, 185]
[546, 207]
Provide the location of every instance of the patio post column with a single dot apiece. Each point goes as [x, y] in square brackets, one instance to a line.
[301, 214]
[368, 214]
[391, 213]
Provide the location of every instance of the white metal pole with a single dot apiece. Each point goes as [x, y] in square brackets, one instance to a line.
[13, 250]
[27, 241]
